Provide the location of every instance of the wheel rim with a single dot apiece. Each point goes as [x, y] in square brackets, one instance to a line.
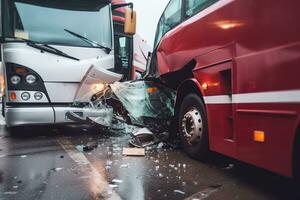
[192, 126]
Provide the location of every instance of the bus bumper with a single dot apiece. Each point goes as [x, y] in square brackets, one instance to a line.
[18, 116]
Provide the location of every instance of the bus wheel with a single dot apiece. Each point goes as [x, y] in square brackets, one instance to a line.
[193, 127]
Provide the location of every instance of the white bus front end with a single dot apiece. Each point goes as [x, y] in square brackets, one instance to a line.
[48, 48]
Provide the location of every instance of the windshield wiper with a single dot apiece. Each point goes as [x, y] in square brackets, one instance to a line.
[44, 47]
[90, 42]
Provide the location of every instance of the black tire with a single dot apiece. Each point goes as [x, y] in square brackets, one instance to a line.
[198, 149]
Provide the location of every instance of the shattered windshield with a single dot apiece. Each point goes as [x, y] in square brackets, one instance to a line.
[45, 21]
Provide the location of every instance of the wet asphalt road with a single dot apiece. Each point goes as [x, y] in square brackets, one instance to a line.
[47, 163]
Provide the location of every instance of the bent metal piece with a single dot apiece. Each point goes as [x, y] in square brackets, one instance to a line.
[102, 123]
[143, 138]
[75, 117]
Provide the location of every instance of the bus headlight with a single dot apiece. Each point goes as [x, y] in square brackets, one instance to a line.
[38, 95]
[31, 79]
[15, 80]
[25, 96]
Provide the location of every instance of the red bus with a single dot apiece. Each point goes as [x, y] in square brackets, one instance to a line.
[235, 65]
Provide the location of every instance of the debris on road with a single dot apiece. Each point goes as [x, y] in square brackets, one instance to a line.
[179, 192]
[23, 156]
[113, 185]
[124, 166]
[57, 169]
[228, 167]
[10, 193]
[142, 138]
[117, 181]
[205, 193]
[90, 146]
[133, 152]
[79, 147]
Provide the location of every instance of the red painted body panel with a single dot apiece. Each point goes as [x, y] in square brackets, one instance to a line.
[243, 46]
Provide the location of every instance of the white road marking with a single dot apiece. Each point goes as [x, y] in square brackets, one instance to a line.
[97, 182]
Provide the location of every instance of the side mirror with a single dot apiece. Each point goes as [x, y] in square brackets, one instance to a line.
[130, 21]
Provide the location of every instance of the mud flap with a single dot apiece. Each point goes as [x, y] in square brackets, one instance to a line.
[93, 81]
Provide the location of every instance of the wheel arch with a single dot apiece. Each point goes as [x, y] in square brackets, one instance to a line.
[186, 87]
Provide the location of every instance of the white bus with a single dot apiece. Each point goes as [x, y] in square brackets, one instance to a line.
[52, 53]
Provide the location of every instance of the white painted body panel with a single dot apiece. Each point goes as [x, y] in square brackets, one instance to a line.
[56, 68]
[64, 77]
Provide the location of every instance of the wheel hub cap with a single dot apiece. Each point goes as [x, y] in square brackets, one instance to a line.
[192, 126]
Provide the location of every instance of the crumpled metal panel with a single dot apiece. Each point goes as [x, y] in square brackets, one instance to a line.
[145, 99]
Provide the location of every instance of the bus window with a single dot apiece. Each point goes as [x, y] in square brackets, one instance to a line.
[195, 6]
[170, 18]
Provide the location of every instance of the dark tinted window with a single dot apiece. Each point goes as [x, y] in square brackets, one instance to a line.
[169, 19]
[195, 6]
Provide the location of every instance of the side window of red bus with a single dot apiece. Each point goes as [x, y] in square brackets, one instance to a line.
[195, 6]
[170, 18]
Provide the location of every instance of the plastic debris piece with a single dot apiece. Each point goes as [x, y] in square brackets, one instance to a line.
[117, 181]
[160, 145]
[10, 192]
[179, 192]
[79, 148]
[109, 162]
[133, 152]
[15, 187]
[90, 146]
[143, 138]
[160, 175]
[228, 167]
[124, 166]
[113, 185]
[57, 169]
[23, 156]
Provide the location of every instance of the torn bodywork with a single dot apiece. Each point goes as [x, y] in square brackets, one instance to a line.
[140, 103]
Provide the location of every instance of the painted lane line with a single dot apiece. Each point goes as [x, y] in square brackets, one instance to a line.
[97, 182]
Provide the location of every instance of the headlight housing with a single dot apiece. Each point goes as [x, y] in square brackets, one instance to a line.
[38, 95]
[15, 79]
[31, 79]
[25, 96]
